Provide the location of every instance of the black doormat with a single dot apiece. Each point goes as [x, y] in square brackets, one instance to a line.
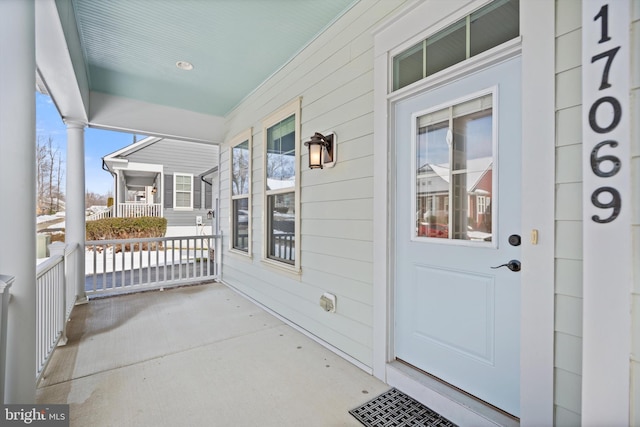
[395, 409]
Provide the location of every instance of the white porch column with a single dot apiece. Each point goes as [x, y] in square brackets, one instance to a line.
[75, 193]
[17, 193]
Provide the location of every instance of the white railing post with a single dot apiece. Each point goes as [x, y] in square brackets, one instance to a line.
[5, 285]
[59, 249]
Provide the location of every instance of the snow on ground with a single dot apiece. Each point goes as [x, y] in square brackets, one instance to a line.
[46, 218]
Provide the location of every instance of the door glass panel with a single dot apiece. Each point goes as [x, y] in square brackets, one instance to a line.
[454, 179]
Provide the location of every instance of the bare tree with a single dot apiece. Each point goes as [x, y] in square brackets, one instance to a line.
[59, 175]
[49, 169]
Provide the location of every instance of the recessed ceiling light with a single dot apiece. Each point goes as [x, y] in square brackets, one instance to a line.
[184, 65]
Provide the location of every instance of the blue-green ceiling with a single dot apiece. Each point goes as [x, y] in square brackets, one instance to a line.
[130, 47]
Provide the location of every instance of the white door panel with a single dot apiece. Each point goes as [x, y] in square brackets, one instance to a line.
[457, 203]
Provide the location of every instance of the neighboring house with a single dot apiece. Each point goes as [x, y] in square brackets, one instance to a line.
[167, 178]
[548, 89]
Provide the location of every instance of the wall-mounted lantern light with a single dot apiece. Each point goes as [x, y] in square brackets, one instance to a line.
[154, 190]
[322, 150]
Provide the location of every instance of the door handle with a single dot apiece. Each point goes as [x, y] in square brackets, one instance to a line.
[513, 265]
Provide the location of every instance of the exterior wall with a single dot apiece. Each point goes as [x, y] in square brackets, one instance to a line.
[635, 152]
[334, 77]
[568, 330]
[182, 157]
[568, 289]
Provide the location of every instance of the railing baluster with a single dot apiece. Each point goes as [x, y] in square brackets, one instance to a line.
[180, 260]
[105, 249]
[94, 262]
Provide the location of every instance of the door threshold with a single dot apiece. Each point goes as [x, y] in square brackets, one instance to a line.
[445, 399]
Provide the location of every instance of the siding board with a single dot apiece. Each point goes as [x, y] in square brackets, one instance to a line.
[568, 315]
[568, 391]
[565, 418]
[569, 240]
[567, 133]
[569, 277]
[567, 57]
[569, 353]
[339, 209]
[569, 88]
[569, 202]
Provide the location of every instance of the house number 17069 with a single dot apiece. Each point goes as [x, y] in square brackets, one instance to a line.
[608, 165]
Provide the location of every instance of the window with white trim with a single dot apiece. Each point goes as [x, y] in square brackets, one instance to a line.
[240, 168]
[182, 191]
[281, 165]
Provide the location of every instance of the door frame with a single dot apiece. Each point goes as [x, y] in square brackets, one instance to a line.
[536, 47]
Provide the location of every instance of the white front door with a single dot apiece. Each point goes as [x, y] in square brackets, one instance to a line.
[457, 215]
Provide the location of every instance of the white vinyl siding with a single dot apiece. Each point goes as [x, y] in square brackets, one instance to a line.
[183, 191]
[334, 78]
[635, 165]
[568, 288]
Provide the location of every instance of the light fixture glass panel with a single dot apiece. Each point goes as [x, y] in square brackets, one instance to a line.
[494, 24]
[281, 225]
[281, 155]
[315, 155]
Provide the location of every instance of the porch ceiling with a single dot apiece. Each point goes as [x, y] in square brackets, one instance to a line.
[128, 49]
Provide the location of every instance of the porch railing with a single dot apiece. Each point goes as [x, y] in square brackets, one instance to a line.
[283, 247]
[136, 210]
[5, 286]
[134, 265]
[106, 213]
[55, 298]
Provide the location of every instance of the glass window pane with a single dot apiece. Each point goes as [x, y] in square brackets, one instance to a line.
[183, 183]
[408, 66]
[183, 200]
[494, 24]
[432, 178]
[454, 180]
[447, 47]
[281, 227]
[281, 155]
[241, 224]
[473, 163]
[240, 173]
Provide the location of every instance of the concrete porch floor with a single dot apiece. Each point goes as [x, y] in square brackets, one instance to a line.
[198, 356]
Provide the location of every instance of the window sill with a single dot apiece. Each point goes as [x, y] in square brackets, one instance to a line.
[240, 253]
[282, 267]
